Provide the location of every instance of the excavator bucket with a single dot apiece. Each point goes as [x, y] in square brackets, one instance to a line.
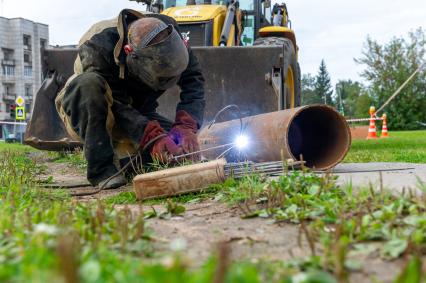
[45, 129]
[233, 75]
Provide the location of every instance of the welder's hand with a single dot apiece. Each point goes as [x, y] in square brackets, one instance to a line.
[184, 133]
[165, 149]
[152, 131]
[160, 145]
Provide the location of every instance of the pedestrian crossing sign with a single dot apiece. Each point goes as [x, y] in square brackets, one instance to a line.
[20, 113]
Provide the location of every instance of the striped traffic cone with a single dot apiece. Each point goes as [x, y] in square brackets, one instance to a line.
[372, 128]
[384, 127]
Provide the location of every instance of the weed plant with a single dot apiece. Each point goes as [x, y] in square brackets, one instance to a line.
[337, 221]
[46, 236]
[76, 158]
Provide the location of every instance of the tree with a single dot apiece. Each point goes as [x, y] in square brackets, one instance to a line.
[348, 93]
[387, 67]
[309, 96]
[323, 87]
[362, 106]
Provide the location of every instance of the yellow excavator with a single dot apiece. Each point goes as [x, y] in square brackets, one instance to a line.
[238, 23]
[246, 48]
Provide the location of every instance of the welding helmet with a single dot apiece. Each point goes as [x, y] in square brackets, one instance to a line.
[158, 65]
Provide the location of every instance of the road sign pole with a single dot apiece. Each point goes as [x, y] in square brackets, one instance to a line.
[14, 126]
[20, 112]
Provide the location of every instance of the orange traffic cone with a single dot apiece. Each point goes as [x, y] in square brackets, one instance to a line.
[372, 128]
[384, 127]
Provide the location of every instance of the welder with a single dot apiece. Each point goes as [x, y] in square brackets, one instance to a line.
[123, 66]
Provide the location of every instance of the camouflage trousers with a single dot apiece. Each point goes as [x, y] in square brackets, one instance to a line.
[107, 128]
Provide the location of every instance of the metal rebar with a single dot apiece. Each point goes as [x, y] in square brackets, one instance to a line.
[240, 169]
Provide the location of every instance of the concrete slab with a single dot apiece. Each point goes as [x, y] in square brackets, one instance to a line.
[395, 176]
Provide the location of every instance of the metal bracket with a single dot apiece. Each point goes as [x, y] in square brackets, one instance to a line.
[275, 78]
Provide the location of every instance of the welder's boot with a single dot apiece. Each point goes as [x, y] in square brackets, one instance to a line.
[116, 182]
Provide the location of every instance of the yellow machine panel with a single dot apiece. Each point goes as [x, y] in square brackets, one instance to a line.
[275, 29]
[200, 13]
[195, 13]
[217, 28]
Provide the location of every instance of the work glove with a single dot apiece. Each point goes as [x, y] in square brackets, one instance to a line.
[160, 145]
[184, 133]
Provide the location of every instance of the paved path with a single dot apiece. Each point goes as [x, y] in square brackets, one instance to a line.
[395, 176]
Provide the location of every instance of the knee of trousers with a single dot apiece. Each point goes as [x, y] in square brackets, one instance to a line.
[86, 98]
[87, 91]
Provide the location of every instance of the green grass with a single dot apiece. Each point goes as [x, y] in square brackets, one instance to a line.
[130, 198]
[46, 236]
[15, 147]
[338, 221]
[44, 232]
[409, 146]
[75, 158]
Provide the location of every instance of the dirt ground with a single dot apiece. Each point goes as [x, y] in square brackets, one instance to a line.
[359, 132]
[205, 224]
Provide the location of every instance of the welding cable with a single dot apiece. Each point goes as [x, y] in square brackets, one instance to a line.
[101, 188]
[230, 106]
[240, 117]
[225, 152]
[178, 157]
[242, 127]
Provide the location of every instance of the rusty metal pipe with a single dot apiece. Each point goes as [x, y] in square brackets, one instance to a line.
[318, 133]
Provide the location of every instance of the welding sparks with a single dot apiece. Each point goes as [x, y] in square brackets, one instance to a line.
[241, 142]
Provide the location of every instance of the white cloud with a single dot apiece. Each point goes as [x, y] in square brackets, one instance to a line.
[67, 20]
[333, 30]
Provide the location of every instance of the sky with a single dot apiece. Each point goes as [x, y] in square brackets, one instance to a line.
[333, 30]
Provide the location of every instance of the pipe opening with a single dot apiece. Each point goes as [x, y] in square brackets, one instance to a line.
[320, 135]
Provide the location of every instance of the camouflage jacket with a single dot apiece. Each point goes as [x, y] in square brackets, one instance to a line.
[100, 50]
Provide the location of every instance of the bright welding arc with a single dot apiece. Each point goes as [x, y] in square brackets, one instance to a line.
[240, 142]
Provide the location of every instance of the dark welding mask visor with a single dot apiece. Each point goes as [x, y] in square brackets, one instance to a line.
[159, 65]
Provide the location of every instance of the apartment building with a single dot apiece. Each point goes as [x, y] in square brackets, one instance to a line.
[21, 42]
